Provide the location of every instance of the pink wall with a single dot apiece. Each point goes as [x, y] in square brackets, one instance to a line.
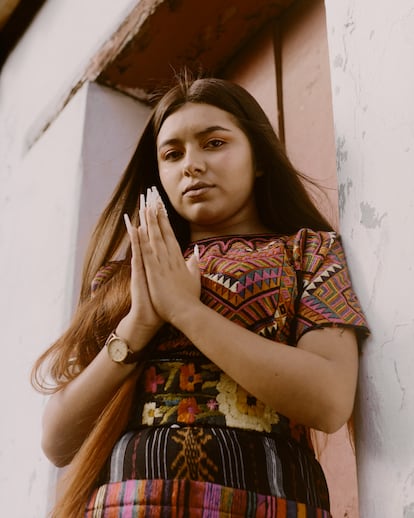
[309, 136]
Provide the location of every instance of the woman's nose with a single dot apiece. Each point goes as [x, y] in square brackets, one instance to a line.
[193, 164]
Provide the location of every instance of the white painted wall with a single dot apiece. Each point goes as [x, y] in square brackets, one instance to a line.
[53, 198]
[371, 53]
[52, 54]
[37, 236]
[50, 195]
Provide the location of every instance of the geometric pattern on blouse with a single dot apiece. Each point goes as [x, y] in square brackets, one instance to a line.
[327, 297]
[247, 281]
[253, 281]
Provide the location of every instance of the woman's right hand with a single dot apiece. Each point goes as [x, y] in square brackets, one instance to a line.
[142, 321]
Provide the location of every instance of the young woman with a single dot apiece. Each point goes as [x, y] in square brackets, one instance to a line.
[212, 333]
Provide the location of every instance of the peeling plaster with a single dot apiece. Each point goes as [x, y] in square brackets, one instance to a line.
[338, 61]
[408, 496]
[344, 190]
[341, 153]
[350, 22]
[396, 328]
[402, 388]
[409, 511]
[369, 216]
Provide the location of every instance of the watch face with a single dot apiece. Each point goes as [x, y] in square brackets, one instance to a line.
[118, 350]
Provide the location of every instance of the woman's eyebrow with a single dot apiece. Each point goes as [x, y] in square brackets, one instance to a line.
[199, 134]
[211, 129]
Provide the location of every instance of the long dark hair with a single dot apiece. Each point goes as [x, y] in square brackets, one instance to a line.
[284, 206]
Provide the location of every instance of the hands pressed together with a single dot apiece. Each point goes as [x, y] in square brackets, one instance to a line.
[293, 380]
[163, 283]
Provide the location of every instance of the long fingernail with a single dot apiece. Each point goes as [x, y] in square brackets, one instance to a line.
[197, 252]
[142, 204]
[158, 200]
[154, 198]
[127, 222]
[149, 197]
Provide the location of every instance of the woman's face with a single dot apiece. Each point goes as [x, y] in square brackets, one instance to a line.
[206, 167]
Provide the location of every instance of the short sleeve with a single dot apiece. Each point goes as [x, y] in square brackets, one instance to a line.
[327, 297]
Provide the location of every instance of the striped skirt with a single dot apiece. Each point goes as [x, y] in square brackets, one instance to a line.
[209, 472]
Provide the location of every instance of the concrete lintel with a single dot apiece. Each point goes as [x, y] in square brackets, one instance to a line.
[157, 38]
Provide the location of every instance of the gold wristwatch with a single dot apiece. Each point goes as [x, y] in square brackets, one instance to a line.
[119, 351]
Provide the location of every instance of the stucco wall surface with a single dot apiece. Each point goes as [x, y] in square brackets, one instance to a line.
[45, 217]
[52, 200]
[371, 53]
[37, 234]
[49, 59]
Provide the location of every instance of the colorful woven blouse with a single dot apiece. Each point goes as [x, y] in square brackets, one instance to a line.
[193, 428]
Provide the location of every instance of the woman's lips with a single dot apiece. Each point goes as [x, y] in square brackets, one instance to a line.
[197, 190]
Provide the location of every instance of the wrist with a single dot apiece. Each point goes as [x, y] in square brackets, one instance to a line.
[137, 335]
[186, 316]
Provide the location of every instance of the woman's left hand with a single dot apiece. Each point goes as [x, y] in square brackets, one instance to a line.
[173, 282]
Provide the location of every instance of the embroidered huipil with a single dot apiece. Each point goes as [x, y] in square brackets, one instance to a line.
[191, 421]
[253, 282]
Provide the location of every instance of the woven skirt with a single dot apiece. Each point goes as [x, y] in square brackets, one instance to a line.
[209, 472]
[190, 499]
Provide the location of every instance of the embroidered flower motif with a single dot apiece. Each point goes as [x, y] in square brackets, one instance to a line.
[189, 377]
[243, 410]
[187, 410]
[150, 412]
[212, 405]
[152, 380]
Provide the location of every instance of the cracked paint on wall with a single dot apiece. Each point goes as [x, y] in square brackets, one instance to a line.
[344, 190]
[408, 496]
[409, 511]
[341, 153]
[369, 216]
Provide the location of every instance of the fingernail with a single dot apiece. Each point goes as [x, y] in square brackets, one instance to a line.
[142, 204]
[197, 252]
[154, 197]
[127, 222]
[149, 197]
[158, 201]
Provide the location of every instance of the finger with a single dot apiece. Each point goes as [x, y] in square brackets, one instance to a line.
[141, 212]
[155, 235]
[193, 264]
[147, 254]
[168, 234]
[136, 260]
[128, 223]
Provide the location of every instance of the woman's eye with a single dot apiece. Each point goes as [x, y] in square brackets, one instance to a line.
[172, 155]
[215, 143]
